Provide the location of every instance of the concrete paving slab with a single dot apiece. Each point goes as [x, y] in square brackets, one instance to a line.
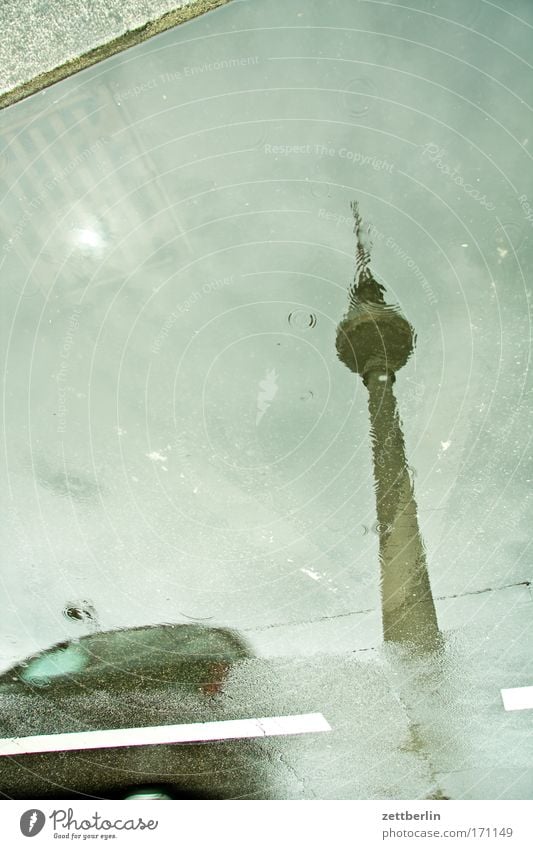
[51, 40]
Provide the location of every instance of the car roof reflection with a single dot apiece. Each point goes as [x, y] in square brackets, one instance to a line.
[156, 654]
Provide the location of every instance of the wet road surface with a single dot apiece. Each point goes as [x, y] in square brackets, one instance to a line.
[182, 443]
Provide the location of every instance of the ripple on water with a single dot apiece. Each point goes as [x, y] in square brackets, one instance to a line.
[79, 611]
[508, 236]
[359, 97]
[302, 319]
[379, 528]
[320, 189]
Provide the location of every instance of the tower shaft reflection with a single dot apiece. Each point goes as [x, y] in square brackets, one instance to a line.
[407, 603]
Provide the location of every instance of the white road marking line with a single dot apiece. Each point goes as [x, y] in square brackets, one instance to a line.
[194, 732]
[518, 698]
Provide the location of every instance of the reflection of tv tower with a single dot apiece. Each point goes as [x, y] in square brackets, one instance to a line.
[375, 340]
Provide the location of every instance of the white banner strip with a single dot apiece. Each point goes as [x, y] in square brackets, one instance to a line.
[518, 698]
[195, 732]
[264, 824]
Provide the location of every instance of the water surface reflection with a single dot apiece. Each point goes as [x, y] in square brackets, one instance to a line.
[374, 340]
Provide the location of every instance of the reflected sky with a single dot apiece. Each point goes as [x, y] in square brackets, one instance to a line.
[181, 441]
[156, 244]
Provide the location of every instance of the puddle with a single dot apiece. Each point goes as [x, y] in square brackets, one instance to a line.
[205, 413]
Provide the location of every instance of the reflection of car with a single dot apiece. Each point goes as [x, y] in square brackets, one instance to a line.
[140, 677]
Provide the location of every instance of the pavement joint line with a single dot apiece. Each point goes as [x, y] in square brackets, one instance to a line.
[308, 621]
[194, 732]
[484, 590]
[374, 609]
[517, 698]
